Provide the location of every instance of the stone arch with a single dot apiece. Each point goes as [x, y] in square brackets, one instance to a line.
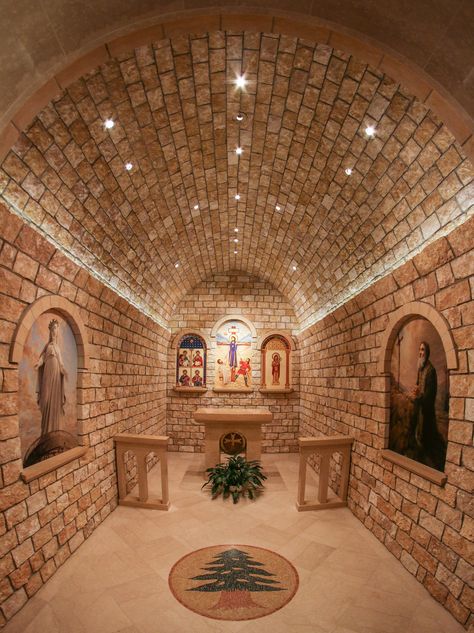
[404, 314]
[285, 361]
[366, 48]
[184, 331]
[234, 317]
[64, 307]
[286, 335]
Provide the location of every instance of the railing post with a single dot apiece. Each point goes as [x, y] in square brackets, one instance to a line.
[325, 447]
[141, 446]
[323, 478]
[301, 479]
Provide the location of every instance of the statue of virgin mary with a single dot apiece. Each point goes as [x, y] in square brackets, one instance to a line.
[51, 376]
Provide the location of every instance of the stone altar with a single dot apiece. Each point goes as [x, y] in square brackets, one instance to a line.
[219, 421]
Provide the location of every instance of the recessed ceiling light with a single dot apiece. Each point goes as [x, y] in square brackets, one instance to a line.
[278, 208]
[348, 171]
[128, 166]
[370, 130]
[196, 207]
[235, 252]
[240, 117]
[239, 150]
[108, 123]
[294, 267]
[235, 240]
[237, 196]
[236, 230]
[176, 265]
[240, 81]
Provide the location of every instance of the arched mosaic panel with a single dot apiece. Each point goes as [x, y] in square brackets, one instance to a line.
[234, 350]
[276, 363]
[191, 362]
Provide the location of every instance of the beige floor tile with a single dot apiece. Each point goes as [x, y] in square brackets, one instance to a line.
[364, 620]
[117, 582]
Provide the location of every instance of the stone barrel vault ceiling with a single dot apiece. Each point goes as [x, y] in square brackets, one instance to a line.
[174, 104]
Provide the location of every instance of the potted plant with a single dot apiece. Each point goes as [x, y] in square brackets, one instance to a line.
[236, 477]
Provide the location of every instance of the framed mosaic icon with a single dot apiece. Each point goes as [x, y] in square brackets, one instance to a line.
[191, 362]
[234, 350]
[276, 363]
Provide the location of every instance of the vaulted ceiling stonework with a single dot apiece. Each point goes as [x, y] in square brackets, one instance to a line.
[316, 233]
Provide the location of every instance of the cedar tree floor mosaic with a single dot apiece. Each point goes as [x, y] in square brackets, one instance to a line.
[233, 582]
[117, 582]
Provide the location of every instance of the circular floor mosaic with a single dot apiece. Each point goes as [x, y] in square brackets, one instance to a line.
[233, 582]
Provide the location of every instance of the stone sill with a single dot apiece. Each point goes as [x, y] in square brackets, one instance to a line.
[270, 391]
[42, 468]
[190, 389]
[227, 390]
[433, 475]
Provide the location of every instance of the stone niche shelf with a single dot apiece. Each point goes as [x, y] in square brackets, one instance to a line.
[270, 391]
[237, 391]
[188, 390]
[48, 465]
[433, 475]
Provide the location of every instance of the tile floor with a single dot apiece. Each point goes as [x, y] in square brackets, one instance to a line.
[117, 582]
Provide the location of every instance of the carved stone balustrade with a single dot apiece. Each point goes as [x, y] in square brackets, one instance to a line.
[142, 446]
[325, 447]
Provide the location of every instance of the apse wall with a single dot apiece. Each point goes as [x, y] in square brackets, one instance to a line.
[220, 296]
[428, 527]
[42, 522]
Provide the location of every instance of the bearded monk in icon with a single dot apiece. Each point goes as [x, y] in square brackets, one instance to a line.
[424, 434]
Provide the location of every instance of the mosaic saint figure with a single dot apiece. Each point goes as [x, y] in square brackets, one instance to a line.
[222, 372]
[244, 370]
[276, 358]
[51, 376]
[233, 352]
[197, 379]
[184, 379]
[197, 360]
[183, 359]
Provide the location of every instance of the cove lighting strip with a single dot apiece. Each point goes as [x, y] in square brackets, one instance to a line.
[109, 283]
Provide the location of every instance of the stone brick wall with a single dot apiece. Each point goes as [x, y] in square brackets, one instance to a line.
[429, 528]
[174, 103]
[43, 522]
[267, 309]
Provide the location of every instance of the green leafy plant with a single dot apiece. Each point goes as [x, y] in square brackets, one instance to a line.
[237, 477]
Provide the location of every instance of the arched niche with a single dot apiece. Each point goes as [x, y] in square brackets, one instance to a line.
[276, 349]
[64, 307]
[417, 354]
[190, 357]
[404, 314]
[50, 443]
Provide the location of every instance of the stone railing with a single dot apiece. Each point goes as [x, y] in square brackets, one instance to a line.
[141, 446]
[324, 447]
